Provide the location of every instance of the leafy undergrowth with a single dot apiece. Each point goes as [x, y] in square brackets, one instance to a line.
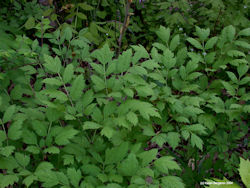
[172, 115]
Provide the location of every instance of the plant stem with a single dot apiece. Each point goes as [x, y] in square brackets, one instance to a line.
[125, 25]
[4, 131]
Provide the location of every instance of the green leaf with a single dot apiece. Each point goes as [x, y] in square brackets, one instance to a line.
[85, 6]
[52, 81]
[174, 42]
[67, 33]
[229, 32]
[39, 127]
[196, 141]
[116, 154]
[166, 163]
[111, 68]
[173, 139]
[65, 135]
[52, 150]
[242, 44]
[211, 42]
[68, 73]
[195, 128]
[77, 87]
[172, 182]
[245, 80]
[202, 33]
[229, 88]
[33, 149]
[7, 150]
[9, 112]
[75, 176]
[137, 70]
[148, 156]
[48, 177]
[91, 125]
[195, 43]
[52, 93]
[30, 23]
[22, 159]
[244, 32]
[88, 97]
[144, 91]
[150, 64]
[123, 61]
[29, 180]
[15, 130]
[81, 16]
[244, 170]
[108, 132]
[3, 137]
[62, 179]
[235, 53]
[99, 83]
[163, 33]
[207, 120]
[129, 166]
[232, 76]
[132, 118]
[194, 75]
[53, 65]
[140, 52]
[7, 180]
[104, 55]
[160, 139]
[185, 134]
[242, 70]
[29, 137]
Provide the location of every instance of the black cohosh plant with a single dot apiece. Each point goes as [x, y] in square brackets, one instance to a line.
[75, 117]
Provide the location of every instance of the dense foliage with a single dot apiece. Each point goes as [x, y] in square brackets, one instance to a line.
[116, 93]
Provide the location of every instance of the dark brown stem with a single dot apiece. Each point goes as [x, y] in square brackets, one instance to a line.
[215, 23]
[125, 26]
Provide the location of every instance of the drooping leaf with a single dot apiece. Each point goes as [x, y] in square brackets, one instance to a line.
[22, 159]
[30, 23]
[91, 125]
[52, 150]
[196, 141]
[68, 73]
[173, 139]
[164, 34]
[15, 130]
[244, 32]
[104, 55]
[116, 154]
[210, 43]
[166, 163]
[8, 180]
[74, 176]
[52, 64]
[148, 156]
[129, 166]
[174, 42]
[9, 112]
[65, 135]
[52, 81]
[85, 6]
[77, 87]
[172, 182]
[195, 43]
